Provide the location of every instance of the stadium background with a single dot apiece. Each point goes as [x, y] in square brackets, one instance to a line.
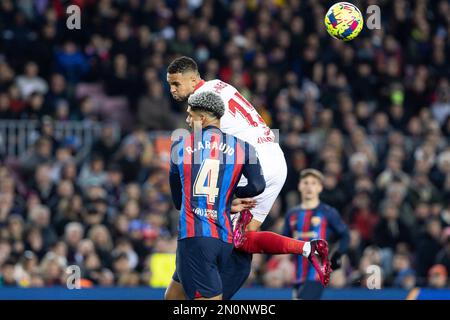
[86, 116]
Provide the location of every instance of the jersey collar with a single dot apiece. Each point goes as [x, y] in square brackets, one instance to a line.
[202, 82]
[210, 127]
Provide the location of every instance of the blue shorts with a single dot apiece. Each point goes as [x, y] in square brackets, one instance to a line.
[233, 275]
[236, 273]
[309, 290]
[199, 262]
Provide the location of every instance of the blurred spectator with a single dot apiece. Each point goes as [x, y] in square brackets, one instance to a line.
[107, 144]
[71, 62]
[391, 231]
[362, 217]
[279, 271]
[73, 234]
[441, 107]
[121, 79]
[30, 82]
[39, 216]
[7, 271]
[129, 160]
[333, 192]
[58, 91]
[443, 257]
[93, 173]
[154, 109]
[437, 277]
[43, 183]
[40, 153]
[405, 276]
[428, 246]
[338, 279]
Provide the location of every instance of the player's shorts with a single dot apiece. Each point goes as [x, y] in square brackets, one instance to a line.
[274, 167]
[309, 290]
[233, 275]
[199, 262]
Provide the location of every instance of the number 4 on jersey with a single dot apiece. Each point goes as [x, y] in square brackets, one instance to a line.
[208, 171]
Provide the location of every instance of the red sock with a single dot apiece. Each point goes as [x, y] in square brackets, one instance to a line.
[271, 243]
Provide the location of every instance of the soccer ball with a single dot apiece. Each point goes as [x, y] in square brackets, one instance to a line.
[344, 21]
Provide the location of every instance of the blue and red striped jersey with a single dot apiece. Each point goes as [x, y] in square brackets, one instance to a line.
[322, 222]
[204, 174]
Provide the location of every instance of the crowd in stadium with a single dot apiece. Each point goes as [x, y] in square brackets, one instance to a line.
[373, 115]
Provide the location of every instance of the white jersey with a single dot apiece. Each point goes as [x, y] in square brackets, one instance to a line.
[240, 118]
[243, 121]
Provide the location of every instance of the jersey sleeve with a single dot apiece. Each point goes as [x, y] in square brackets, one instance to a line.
[287, 231]
[253, 172]
[174, 175]
[340, 229]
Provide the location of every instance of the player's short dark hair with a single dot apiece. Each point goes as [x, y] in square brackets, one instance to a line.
[182, 65]
[312, 173]
[207, 101]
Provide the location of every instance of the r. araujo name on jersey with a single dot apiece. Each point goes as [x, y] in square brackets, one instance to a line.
[200, 145]
[240, 118]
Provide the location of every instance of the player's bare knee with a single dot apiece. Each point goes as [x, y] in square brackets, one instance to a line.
[174, 292]
[173, 295]
[168, 294]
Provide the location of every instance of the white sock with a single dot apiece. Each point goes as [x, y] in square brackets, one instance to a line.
[306, 249]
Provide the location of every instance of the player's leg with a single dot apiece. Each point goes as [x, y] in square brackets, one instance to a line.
[275, 172]
[248, 239]
[247, 236]
[198, 269]
[316, 250]
[175, 290]
[255, 241]
[239, 266]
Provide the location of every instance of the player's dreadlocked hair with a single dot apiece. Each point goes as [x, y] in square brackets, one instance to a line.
[181, 65]
[207, 101]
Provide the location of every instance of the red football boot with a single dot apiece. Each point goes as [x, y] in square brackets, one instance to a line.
[319, 259]
[245, 217]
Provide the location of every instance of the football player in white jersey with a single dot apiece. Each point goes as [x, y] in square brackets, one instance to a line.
[243, 121]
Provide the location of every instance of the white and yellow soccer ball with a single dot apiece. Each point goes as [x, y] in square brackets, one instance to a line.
[344, 21]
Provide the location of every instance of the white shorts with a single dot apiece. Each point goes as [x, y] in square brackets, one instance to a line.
[274, 167]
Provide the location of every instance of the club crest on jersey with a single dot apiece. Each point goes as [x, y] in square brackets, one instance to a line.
[315, 221]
